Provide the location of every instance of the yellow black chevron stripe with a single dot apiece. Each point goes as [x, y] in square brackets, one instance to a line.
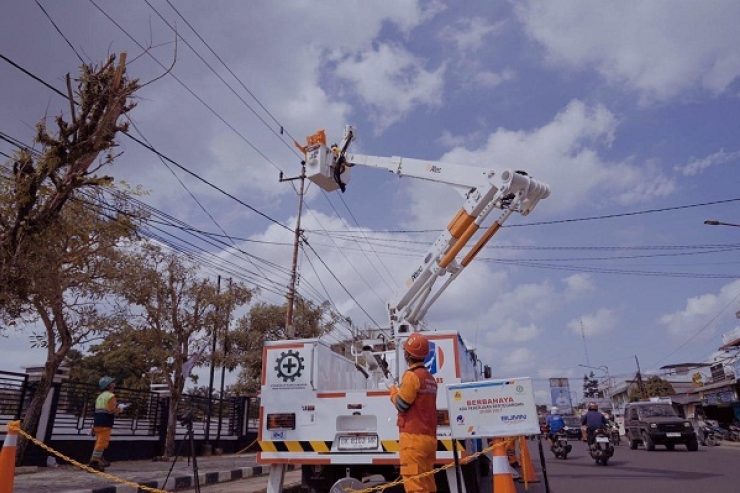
[296, 446]
[325, 446]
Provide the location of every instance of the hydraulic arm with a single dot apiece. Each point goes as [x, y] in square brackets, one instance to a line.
[483, 190]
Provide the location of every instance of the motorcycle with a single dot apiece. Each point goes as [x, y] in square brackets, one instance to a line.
[707, 436]
[601, 449]
[614, 436]
[734, 430]
[560, 446]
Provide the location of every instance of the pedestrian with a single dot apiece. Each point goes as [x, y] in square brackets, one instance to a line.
[416, 401]
[106, 409]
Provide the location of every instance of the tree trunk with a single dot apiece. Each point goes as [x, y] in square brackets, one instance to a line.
[33, 413]
[169, 441]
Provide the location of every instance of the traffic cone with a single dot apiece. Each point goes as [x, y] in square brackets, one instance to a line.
[528, 474]
[502, 480]
[7, 458]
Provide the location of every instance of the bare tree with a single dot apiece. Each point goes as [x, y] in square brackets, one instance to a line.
[58, 227]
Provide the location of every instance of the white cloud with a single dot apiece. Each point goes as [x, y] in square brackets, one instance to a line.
[392, 82]
[518, 359]
[469, 34]
[593, 324]
[653, 48]
[703, 312]
[698, 165]
[578, 284]
[563, 153]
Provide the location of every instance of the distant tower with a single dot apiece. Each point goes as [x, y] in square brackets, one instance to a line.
[585, 348]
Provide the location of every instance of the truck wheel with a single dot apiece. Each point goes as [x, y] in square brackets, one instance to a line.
[692, 445]
[649, 444]
[633, 444]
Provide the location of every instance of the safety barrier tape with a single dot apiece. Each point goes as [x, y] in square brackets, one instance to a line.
[463, 461]
[322, 446]
[88, 468]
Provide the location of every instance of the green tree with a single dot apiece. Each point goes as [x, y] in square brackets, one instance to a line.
[172, 313]
[266, 322]
[655, 386]
[590, 386]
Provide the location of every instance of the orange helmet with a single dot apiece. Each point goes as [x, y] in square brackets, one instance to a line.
[417, 345]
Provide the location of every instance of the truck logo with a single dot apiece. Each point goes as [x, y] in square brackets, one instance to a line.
[435, 360]
[514, 417]
[289, 366]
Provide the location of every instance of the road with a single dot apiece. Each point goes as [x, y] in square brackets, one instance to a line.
[635, 471]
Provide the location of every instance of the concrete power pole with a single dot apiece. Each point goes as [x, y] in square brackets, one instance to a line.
[293, 275]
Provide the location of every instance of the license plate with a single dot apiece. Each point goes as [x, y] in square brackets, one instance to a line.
[602, 439]
[673, 434]
[358, 442]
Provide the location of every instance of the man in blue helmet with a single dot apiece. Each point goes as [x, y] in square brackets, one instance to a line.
[106, 409]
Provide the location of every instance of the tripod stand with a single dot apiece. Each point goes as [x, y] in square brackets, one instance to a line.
[187, 420]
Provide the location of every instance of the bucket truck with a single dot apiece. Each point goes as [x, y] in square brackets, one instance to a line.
[324, 408]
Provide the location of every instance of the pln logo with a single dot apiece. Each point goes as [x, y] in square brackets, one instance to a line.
[435, 360]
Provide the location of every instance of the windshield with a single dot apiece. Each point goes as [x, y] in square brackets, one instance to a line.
[572, 420]
[656, 410]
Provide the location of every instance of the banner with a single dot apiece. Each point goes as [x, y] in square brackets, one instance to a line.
[560, 395]
[492, 408]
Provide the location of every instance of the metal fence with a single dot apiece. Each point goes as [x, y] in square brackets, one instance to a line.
[70, 407]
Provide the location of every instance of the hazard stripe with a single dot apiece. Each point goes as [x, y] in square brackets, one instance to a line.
[446, 445]
[390, 445]
[295, 446]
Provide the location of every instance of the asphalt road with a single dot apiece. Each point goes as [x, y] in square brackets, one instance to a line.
[709, 470]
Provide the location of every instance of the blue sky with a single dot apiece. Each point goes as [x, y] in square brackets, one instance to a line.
[621, 107]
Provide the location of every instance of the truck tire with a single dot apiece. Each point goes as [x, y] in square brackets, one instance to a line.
[649, 444]
[692, 445]
[633, 444]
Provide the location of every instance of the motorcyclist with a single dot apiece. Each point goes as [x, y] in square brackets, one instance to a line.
[592, 420]
[555, 423]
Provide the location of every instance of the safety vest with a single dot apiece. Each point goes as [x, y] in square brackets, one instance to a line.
[103, 415]
[421, 418]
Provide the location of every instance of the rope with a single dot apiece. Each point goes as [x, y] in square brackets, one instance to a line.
[464, 461]
[88, 468]
[247, 447]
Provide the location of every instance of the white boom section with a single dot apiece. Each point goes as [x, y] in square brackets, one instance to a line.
[483, 189]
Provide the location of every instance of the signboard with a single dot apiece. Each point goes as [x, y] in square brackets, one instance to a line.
[560, 395]
[492, 408]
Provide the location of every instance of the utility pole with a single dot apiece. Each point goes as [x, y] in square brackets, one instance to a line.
[225, 347]
[207, 449]
[291, 288]
[585, 348]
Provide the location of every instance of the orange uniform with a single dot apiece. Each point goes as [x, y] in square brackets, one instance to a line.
[416, 402]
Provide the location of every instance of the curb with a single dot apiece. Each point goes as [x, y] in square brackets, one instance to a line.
[175, 483]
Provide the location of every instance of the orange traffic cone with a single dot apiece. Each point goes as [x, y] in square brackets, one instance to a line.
[502, 480]
[7, 458]
[528, 474]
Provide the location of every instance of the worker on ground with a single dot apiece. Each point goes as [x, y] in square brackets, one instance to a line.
[555, 423]
[416, 401]
[592, 421]
[106, 409]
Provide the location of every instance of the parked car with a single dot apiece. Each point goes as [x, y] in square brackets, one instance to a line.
[572, 426]
[656, 423]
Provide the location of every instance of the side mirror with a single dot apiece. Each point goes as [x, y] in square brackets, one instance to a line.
[487, 371]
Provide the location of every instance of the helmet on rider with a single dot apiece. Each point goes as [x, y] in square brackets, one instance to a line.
[417, 346]
[592, 406]
[105, 382]
[554, 410]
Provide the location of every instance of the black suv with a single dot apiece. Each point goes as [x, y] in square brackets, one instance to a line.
[656, 423]
[572, 426]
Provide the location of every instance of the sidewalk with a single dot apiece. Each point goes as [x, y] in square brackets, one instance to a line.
[211, 470]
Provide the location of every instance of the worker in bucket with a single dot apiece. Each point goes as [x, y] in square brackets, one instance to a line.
[415, 399]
